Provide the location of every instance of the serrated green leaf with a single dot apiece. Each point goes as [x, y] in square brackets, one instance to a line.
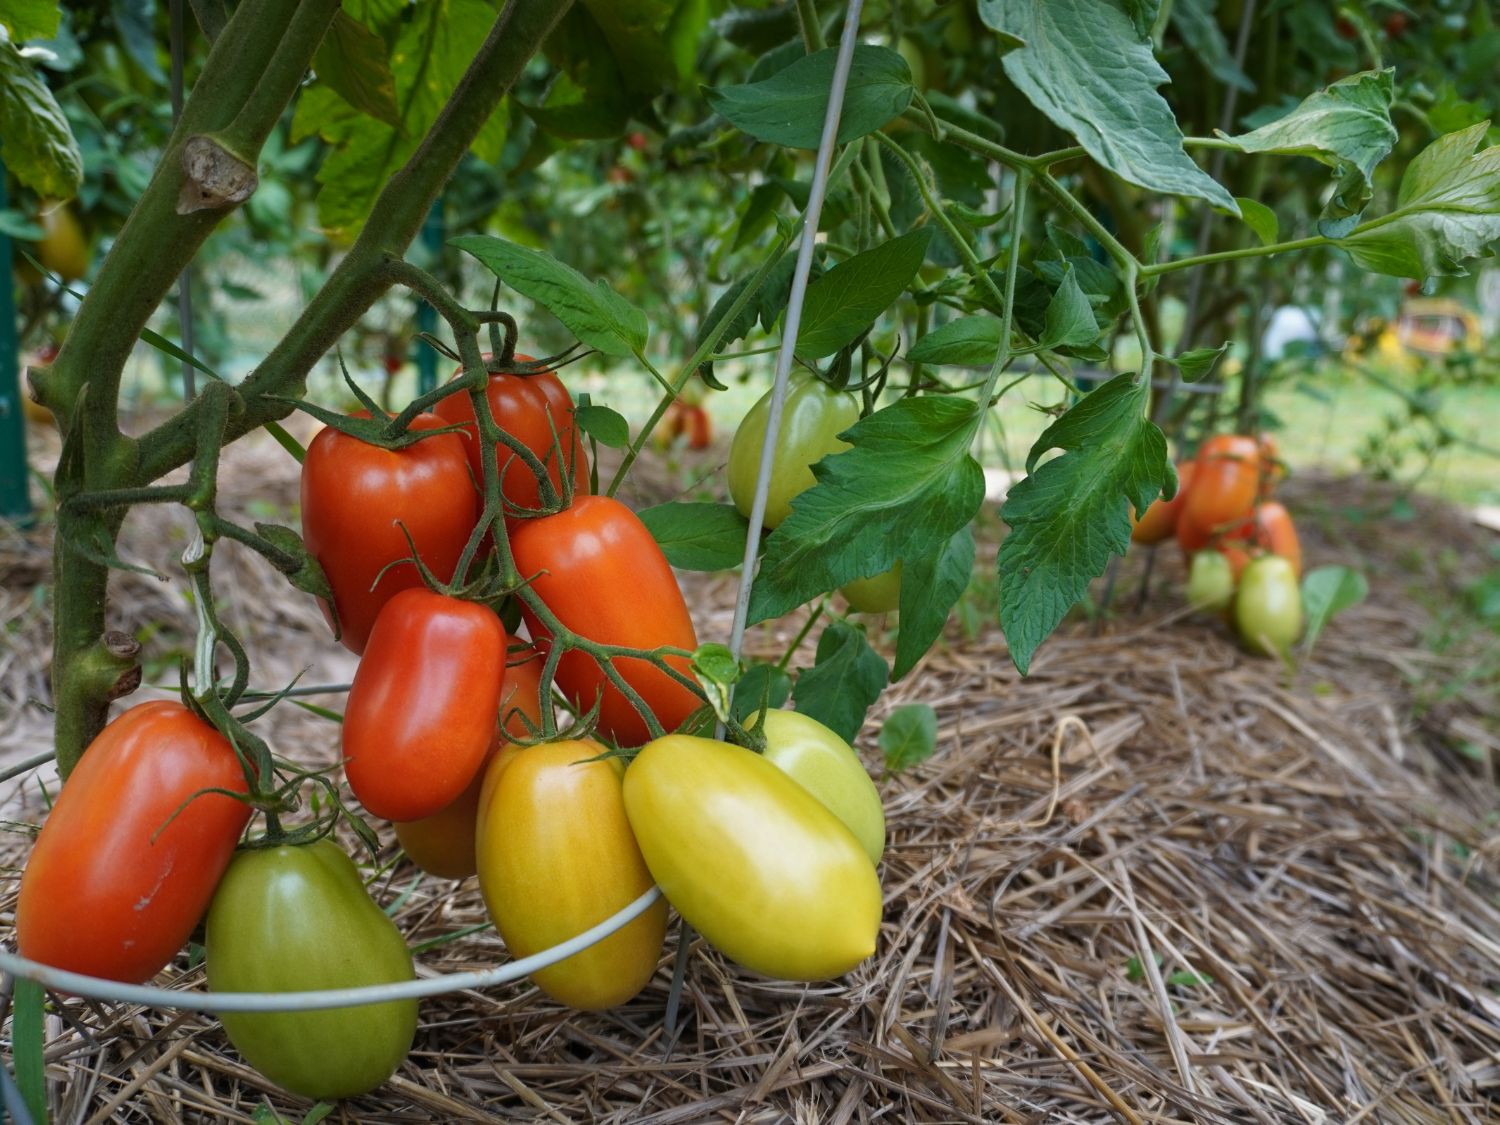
[29, 19]
[593, 312]
[1196, 22]
[930, 587]
[351, 61]
[35, 141]
[1084, 66]
[1346, 125]
[909, 736]
[788, 108]
[762, 686]
[1447, 211]
[1070, 514]
[906, 487]
[1070, 319]
[698, 535]
[1260, 219]
[971, 341]
[847, 676]
[606, 426]
[846, 300]
[1197, 363]
[1328, 590]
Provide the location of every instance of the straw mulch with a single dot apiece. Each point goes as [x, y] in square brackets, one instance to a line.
[1156, 881]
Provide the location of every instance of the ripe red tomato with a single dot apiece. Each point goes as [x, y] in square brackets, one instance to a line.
[1160, 520]
[1225, 484]
[125, 864]
[597, 568]
[356, 497]
[422, 711]
[538, 410]
[443, 844]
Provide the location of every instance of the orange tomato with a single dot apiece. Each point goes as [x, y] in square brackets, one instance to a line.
[1160, 520]
[1226, 482]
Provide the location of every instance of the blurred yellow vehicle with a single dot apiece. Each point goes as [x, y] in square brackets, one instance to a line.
[1427, 328]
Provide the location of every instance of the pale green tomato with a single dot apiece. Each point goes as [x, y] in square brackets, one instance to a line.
[1210, 583]
[814, 416]
[1268, 607]
[880, 593]
[751, 860]
[827, 767]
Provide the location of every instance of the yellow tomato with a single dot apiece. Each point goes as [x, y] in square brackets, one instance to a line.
[827, 767]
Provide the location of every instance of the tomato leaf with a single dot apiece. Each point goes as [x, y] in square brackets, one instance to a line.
[606, 426]
[904, 489]
[29, 19]
[1328, 590]
[27, 1043]
[846, 300]
[716, 670]
[847, 676]
[1197, 363]
[930, 586]
[1069, 322]
[698, 536]
[1260, 219]
[762, 686]
[1082, 64]
[1196, 22]
[1346, 125]
[788, 107]
[971, 341]
[909, 736]
[351, 60]
[763, 305]
[595, 313]
[1070, 514]
[39, 147]
[1448, 209]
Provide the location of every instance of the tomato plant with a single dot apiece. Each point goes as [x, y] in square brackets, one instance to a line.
[598, 569]
[422, 711]
[752, 860]
[827, 767]
[443, 844]
[880, 593]
[295, 918]
[556, 856]
[813, 417]
[131, 852]
[356, 500]
[1268, 605]
[537, 410]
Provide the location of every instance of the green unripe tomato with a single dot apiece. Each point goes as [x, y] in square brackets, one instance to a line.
[827, 767]
[286, 919]
[814, 416]
[880, 593]
[1268, 606]
[1210, 584]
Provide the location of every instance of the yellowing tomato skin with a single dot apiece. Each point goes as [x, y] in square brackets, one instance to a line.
[556, 856]
[752, 860]
[880, 593]
[827, 767]
[1268, 605]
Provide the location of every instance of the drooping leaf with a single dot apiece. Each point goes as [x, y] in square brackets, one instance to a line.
[351, 60]
[1197, 363]
[971, 341]
[590, 98]
[1447, 211]
[1327, 590]
[764, 306]
[698, 535]
[652, 40]
[593, 312]
[930, 586]
[846, 300]
[1083, 64]
[35, 142]
[604, 425]
[847, 676]
[1196, 22]
[1070, 319]
[29, 19]
[1070, 514]
[788, 108]
[1346, 125]
[905, 488]
[909, 736]
[1259, 218]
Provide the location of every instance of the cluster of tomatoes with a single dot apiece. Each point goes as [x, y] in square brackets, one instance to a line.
[1243, 554]
[770, 855]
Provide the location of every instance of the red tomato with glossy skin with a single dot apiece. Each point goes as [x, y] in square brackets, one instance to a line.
[443, 844]
[356, 497]
[422, 711]
[531, 408]
[112, 888]
[597, 568]
[1160, 520]
[1225, 484]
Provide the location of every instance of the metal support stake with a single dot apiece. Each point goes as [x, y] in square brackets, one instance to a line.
[15, 494]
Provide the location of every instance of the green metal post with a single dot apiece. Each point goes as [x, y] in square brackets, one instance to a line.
[15, 494]
[432, 243]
